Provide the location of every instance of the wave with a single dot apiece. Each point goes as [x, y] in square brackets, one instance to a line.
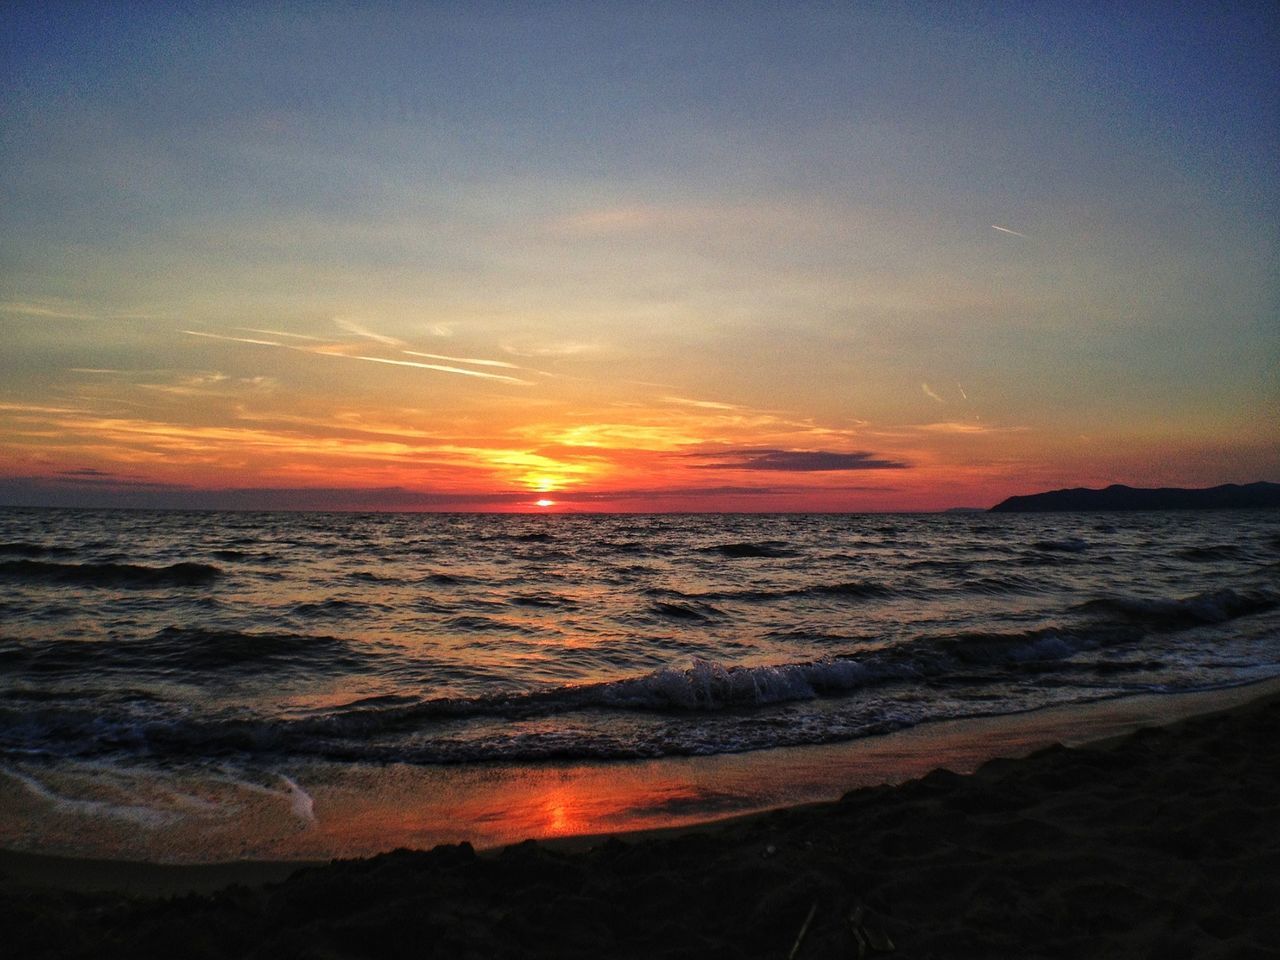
[859, 589]
[1065, 545]
[445, 579]
[478, 623]
[240, 556]
[686, 611]
[737, 708]
[126, 575]
[1221, 551]
[24, 549]
[336, 607]
[542, 600]
[706, 685]
[850, 589]
[1008, 583]
[1217, 606]
[695, 706]
[772, 548]
[186, 650]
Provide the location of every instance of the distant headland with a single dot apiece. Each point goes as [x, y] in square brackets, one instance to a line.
[1228, 496]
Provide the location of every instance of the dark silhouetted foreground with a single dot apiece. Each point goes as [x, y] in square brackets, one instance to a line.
[1163, 844]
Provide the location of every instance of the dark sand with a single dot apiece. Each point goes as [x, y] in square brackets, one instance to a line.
[1162, 843]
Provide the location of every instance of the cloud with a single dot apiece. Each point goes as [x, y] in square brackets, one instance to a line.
[798, 461]
[95, 492]
[48, 311]
[967, 427]
[471, 360]
[442, 369]
[279, 333]
[564, 348]
[995, 226]
[30, 408]
[92, 477]
[928, 392]
[351, 326]
[617, 436]
[218, 336]
[339, 350]
[701, 404]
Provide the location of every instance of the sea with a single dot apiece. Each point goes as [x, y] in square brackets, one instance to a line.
[169, 679]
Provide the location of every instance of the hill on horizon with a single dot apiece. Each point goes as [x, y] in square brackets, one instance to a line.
[1226, 496]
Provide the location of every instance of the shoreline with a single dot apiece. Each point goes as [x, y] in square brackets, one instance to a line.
[885, 762]
[1162, 842]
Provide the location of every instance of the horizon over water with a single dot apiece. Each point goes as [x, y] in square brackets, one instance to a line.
[194, 685]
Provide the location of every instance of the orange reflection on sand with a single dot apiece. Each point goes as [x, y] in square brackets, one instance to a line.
[493, 806]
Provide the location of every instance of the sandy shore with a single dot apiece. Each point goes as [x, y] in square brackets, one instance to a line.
[1164, 842]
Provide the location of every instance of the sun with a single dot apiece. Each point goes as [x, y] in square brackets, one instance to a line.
[544, 503]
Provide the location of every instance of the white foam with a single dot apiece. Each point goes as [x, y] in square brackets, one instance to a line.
[301, 803]
[147, 817]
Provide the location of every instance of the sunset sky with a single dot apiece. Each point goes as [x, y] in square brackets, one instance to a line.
[670, 256]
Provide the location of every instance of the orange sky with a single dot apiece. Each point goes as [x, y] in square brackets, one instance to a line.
[433, 260]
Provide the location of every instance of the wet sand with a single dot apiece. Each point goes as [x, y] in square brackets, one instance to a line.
[1164, 842]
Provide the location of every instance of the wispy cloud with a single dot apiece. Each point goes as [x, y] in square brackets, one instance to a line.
[472, 360]
[441, 368]
[701, 404]
[797, 461]
[219, 336]
[91, 477]
[929, 392]
[360, 330]
[966, 426]
[36, 408]
[327, 349]
[47, 310]
[281, 333]
[616, 436]
[996, 226]
[564, 348]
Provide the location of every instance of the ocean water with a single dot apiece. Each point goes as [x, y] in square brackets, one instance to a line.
[259, 647]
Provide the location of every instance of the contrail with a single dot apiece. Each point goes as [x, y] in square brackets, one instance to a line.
[438, 366]
[1007, 230]
[478, 362]
[218, 336]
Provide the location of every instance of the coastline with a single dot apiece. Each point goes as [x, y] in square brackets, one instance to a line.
[886, 763]
[1159, 842]
[352, 812]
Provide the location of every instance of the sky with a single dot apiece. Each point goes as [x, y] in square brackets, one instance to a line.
[643, 257]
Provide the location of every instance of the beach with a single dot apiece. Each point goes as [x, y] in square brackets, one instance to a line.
[1158, 842]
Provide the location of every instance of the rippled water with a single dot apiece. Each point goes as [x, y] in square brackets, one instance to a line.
[457, 639]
